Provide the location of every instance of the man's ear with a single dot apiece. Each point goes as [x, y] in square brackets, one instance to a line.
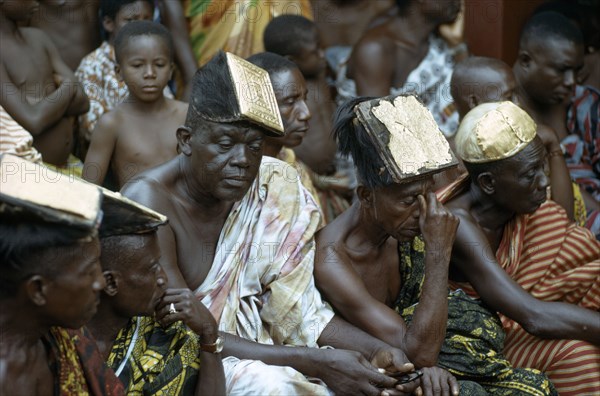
[36, 288]
[472, 101]
[112, 283]
[524, 59]
[108, 24]
[184, 136]
[364, 195]
[172, 71]
[118, 72]
[487, 183]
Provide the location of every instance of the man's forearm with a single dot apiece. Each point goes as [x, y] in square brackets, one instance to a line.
[425, 334]
[342, 335]
[299, 358]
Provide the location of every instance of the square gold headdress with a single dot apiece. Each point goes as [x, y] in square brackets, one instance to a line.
[254, 93]
[51, 197]
[408, 139]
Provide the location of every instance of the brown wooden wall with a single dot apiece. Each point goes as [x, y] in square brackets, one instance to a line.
[492, 27]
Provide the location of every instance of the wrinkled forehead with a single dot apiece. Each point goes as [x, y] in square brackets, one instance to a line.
[241, 130]
[411, 188]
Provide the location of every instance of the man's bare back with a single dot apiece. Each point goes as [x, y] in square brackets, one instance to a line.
[72, 25]
[343, 22]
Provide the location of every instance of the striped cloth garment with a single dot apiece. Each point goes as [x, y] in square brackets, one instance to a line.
[14, 139]
[554, 260]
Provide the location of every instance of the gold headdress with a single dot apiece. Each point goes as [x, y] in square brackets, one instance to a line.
[494, 131]
[51, 197]
[408, 139]
[242, 92]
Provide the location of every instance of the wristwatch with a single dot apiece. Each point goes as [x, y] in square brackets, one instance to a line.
[215, 347]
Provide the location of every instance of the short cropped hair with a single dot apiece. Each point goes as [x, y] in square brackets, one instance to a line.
[272, 63]
[118, 251]
[353, 140]
[142, 28]
[550, 25]
[22, 241]
[110, 8]
[286, 34]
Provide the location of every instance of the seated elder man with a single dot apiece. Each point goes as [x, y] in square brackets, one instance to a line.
[50, 281]
[479, 80]
[381, 278]
[173, 359]
[522, 256]
[241, 236]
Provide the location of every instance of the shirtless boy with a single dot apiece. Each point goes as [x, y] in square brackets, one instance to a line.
[38, 89]
[138, 133]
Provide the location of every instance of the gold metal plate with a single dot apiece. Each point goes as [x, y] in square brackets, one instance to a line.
[254, 93]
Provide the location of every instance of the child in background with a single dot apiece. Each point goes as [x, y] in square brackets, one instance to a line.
[97, 69]
[140, 132]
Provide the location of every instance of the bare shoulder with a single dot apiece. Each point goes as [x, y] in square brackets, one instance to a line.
[375, 41]
[153, 187]
[112, 121]
[35, 37]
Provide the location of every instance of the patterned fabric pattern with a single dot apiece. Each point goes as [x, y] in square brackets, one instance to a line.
[235, 26]
[80, 368]
[14, 139]
[472, 349]
[261, 286]
[162, 361]
[583, 144]
[430, 80]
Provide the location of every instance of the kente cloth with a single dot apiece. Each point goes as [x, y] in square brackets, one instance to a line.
[14, 139]
[261, 285]
[151, 360]
[430, 81]
[235, 26]
[582, 145]
[553, 259]
[73, 167]
[102, 86]
[472, 349]
[78, 366]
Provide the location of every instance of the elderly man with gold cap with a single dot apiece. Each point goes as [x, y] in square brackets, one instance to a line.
[241, 236]
[520, 254]
[383, 264]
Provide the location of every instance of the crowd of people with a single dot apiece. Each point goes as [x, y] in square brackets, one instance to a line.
[296, 198]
